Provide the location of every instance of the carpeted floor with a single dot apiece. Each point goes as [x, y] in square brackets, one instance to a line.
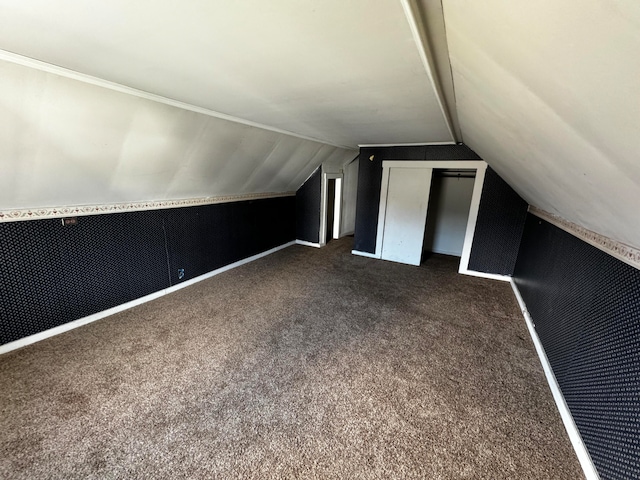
[305, 364]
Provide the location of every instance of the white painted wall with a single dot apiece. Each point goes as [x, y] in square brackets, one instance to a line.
[349, 196]
[448, 214]
[65, 142]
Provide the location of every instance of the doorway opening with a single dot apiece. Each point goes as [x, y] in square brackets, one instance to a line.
[331, 207]
[448, 212]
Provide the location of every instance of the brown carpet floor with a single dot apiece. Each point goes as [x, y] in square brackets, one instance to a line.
[305, 364]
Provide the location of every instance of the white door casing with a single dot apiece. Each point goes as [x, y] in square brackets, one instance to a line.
[479, 166]
[324, 201]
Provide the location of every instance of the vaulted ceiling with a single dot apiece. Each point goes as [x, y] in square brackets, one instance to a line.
[133, 101]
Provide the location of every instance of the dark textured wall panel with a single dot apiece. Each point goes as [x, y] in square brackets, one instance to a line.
[53, 274]
[450, 152]
[308, 199]
[586, 308]
[499, 226]
[368, 199]
[204, 238]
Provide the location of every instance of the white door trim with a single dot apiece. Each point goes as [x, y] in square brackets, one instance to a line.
[471, 221]
[324, 202]
[479, 166]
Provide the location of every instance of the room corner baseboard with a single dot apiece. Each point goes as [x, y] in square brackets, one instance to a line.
[492, 276]
[579, 447]
[23, 342]
[307, 244]
[364, 254]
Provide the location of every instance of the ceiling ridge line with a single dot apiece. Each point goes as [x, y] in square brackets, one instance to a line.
[424, 51]
[18, 214]
[118, 87]
[453, 81]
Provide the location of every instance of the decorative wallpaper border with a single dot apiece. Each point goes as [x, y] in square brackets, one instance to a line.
[621, 251]
[80, 210]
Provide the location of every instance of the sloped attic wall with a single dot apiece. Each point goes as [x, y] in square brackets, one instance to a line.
[548, 93]
[66, 142]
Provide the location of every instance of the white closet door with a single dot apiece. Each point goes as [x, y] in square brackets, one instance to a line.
[406, 214]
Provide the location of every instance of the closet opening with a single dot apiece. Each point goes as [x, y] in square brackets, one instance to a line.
[405, 197]
[448, 211]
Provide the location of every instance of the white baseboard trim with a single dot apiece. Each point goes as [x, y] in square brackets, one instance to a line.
[23, 342]
[582, 453]
[364, 254]
[492, 276]
[307, 244]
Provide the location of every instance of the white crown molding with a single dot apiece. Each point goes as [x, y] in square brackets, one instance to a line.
[621, 251]
[81, 77]
[83, 210]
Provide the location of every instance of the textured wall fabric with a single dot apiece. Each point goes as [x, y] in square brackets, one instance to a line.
[308, 199]
[53, 274]
[501, 218]
[370, 179]
[586, 308]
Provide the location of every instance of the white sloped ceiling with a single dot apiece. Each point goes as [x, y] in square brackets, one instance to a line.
[344, 72]
[320, 77]
[548, 93]
[66, 142]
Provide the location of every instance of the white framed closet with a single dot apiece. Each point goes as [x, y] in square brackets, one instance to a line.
[404, 201]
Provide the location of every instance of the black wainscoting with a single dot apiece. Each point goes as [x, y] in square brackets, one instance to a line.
[586, 308]
[499, 226]
[308, 209]
[204, 238]
[53, 274]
